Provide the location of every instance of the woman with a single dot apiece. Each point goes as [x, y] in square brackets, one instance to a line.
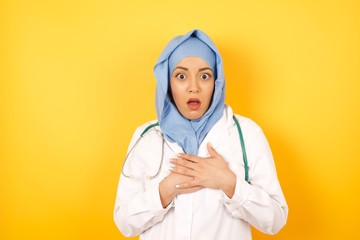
[187, 176]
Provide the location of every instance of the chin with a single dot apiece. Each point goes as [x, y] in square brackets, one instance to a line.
[193, 116]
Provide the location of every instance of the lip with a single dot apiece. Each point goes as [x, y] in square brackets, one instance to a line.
[194, 103]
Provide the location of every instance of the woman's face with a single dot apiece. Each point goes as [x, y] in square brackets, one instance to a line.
[192, 86]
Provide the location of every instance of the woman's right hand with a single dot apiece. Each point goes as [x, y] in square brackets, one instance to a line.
[168, 189]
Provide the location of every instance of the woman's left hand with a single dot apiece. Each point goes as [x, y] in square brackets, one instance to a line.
[211, 172]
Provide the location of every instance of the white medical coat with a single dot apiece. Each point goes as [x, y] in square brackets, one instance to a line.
[208, 213]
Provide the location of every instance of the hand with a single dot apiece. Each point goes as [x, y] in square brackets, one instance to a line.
[169, 187]
[211, 172]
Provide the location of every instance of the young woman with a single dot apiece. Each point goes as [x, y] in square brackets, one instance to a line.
[199, 171]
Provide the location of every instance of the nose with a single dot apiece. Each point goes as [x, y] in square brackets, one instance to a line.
[193, 86]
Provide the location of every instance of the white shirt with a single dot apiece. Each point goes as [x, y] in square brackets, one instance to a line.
[208, 213]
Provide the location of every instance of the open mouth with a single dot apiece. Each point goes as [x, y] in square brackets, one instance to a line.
[194, 103]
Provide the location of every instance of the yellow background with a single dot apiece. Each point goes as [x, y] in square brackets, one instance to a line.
[76, 79]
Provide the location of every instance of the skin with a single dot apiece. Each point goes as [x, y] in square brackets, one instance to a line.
[193, 78]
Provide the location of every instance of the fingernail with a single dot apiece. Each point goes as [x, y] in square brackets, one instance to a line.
[177, 186]
[171, 168]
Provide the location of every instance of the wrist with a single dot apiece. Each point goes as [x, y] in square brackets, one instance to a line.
[167, 193]
[228, 186]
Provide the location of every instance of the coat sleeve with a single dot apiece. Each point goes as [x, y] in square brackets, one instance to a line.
[261, 203]
[137, 208]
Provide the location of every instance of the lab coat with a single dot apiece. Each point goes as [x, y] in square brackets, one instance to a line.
[208, 213]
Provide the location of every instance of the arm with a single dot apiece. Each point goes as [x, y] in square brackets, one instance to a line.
[262, 202]
[137, 208]
[139, 203]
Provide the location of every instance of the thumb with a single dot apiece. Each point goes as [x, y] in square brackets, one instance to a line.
[211, 150]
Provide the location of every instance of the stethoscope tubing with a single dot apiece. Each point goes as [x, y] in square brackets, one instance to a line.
[152, 127]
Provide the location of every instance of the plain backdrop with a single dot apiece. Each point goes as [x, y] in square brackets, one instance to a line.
[76, 79]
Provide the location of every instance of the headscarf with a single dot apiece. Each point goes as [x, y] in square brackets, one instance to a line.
[192, 47]
[189, 134]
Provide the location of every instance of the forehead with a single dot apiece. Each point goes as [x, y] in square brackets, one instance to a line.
[192, 61]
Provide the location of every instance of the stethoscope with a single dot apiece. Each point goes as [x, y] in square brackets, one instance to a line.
[151, 128]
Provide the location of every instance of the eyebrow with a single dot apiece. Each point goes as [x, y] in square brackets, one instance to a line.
[183, 68]
[201, 69]
[205, 68]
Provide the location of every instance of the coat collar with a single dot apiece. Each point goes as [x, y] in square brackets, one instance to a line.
[219, 131]
[216, 135]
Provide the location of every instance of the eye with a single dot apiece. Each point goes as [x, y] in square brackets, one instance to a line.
[205, 76]
[180, 76]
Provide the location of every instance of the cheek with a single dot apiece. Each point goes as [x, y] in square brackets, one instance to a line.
[175, 91]
[209, 91]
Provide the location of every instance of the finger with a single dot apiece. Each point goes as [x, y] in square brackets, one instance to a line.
[182, 170]
[183, 162]
[189, 157]
[186, 185]
[212, 150]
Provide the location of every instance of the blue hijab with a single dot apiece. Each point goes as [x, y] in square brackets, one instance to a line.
[189, 134]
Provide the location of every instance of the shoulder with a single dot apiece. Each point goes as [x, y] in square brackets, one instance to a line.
[246, 123]
[252, 132]
[140, 130]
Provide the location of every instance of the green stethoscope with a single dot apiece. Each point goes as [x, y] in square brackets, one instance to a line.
[151, 127]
